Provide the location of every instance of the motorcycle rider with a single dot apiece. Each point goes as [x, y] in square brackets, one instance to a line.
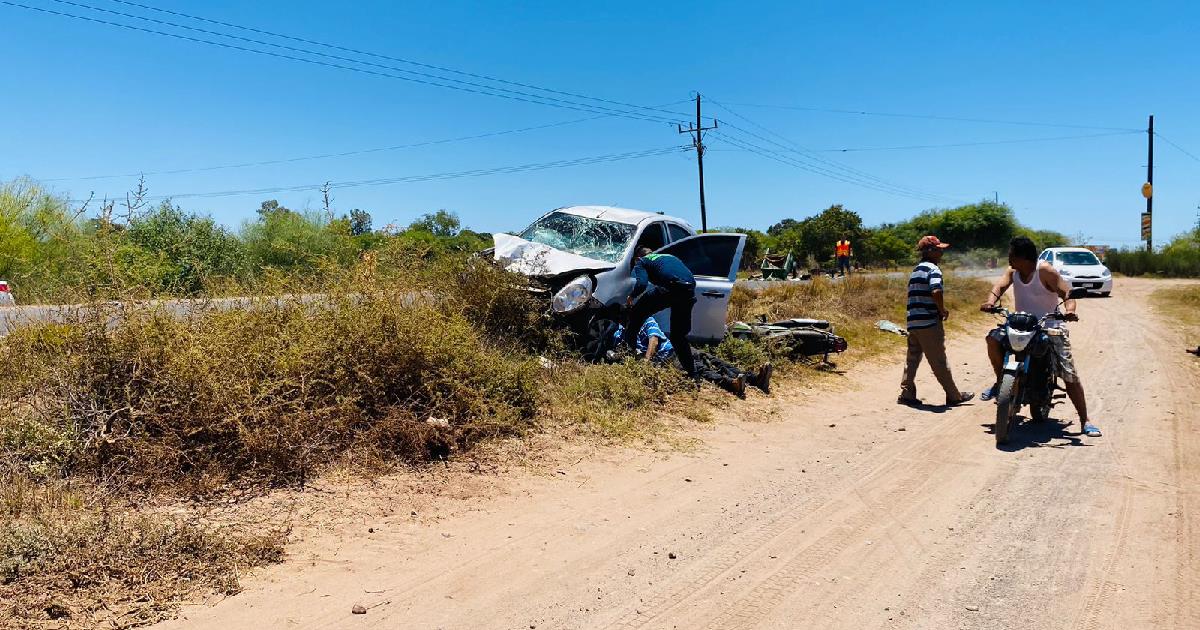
[1038, 289]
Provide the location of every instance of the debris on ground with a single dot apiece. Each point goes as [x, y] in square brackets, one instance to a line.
[887, 326]
[359, 609]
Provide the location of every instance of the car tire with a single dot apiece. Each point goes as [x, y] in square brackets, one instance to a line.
[1105, 293]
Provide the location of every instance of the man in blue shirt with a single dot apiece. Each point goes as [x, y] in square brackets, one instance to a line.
[926, 335]
[653, 344]
[662, 281]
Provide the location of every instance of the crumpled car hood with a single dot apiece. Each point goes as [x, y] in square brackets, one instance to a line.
[535, 259]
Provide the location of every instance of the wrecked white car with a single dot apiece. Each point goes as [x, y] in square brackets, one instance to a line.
[581, 257]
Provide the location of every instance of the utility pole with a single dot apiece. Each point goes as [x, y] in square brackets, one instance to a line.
[697, 132]
[1149, 189]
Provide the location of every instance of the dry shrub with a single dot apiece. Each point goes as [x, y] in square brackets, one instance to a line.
[275, 388]
[69, 560]
[617, 401]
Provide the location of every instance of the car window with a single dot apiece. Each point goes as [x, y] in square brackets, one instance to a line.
[653, 238]
[678, 232]
[1078, 258]
[712, 255]
[591, 238]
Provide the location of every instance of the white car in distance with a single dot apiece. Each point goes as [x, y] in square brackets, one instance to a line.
[1081, 268]
[6, 296]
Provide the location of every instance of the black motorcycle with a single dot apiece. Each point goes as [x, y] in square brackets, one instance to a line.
[1030, 373]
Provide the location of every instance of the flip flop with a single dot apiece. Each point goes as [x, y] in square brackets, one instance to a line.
[1091, 430]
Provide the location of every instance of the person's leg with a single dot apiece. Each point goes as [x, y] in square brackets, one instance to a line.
[908, 386]
[995, 354]
[652, 301]
[712, 369]
[1066, 369]
[934, 346]
[681, 326]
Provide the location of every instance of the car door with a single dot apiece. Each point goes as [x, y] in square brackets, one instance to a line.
[713, 259]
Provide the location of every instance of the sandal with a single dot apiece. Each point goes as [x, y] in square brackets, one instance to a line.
[1091, 430]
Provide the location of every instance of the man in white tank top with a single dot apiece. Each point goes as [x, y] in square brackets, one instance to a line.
[1039, 289]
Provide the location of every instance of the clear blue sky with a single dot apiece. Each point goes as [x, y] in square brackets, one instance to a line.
[83, 99]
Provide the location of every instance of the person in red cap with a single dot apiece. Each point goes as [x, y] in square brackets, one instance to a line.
[926, 334]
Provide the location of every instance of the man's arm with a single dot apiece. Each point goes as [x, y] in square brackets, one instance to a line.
[652, 347]
[1058, 284]
[940, 300]
[1001, 285]
[640, 280]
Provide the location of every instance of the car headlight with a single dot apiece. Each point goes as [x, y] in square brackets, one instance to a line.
[1106, 273]
[1064, 271]
[573, 296]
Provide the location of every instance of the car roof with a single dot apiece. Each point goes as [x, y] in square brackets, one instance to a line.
[1069, 249]
[620, 215]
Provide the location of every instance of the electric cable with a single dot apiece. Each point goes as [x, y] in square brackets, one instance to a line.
[484, 90]
[933, 117]
[519, 168]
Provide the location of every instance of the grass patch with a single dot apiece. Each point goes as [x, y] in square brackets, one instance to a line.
[1182, 304]
[77, 560]
[855, 304]
[621, 402]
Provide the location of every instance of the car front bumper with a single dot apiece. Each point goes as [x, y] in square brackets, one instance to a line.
[1092, 285]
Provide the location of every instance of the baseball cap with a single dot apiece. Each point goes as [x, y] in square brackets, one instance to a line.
[931, 242]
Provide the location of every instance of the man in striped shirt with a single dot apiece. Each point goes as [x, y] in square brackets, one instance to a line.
[926, 335]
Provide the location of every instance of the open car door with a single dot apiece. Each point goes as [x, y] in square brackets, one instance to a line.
[713, 259]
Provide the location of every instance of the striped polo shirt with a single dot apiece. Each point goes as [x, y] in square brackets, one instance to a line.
[922, 310]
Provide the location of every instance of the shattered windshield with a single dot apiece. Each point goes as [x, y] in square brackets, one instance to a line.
[1078, 258]
[592, 238]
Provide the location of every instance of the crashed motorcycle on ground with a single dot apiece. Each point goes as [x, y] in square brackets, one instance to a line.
[1030, 372]
[796, 338]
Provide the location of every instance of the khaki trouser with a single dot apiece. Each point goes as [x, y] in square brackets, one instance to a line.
[931, 344]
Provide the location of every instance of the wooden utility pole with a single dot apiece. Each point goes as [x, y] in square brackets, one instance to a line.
[1150, 183]
[697, 131]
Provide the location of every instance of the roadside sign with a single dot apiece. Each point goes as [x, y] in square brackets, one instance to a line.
[1145, 226]
[1147, 190]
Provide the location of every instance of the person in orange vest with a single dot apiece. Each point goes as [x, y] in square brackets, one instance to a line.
[843, 252]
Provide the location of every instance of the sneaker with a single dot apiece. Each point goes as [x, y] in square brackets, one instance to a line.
[762, 380]
[1091, 430]
[963, 397]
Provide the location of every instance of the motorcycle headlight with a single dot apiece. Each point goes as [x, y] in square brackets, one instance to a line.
[1018, 339]
[573, 296]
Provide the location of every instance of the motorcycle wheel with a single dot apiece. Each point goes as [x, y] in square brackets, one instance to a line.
[1006, 408]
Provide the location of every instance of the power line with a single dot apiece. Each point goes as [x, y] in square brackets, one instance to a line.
[1181, 149]
[784, 159]
[332, 155]
[423, 75]
[977, 144]
[934, 117]
[439, 82]
[851, 172]
[395, 59]
[501, 170]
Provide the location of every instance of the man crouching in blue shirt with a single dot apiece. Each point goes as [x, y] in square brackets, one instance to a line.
[654, 346]
[662, 281]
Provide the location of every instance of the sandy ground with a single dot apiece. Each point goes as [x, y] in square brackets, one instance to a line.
[840, 510]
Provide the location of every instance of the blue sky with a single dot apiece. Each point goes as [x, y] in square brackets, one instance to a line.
[83, 99]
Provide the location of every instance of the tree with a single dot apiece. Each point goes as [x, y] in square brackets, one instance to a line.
[441, 223]
[191, 248]
[360, 222]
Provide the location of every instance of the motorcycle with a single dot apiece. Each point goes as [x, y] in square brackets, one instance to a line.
[1030, 373]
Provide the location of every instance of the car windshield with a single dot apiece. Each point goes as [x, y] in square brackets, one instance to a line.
[1078, 258]
[591, 238]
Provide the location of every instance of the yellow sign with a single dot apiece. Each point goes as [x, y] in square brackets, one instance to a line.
[1147, 190]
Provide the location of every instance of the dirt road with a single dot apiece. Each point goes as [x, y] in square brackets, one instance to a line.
[838, 512]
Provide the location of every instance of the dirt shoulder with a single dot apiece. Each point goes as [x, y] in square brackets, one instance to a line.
[829, 508]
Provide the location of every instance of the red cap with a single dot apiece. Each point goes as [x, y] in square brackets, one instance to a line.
[931, 242]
